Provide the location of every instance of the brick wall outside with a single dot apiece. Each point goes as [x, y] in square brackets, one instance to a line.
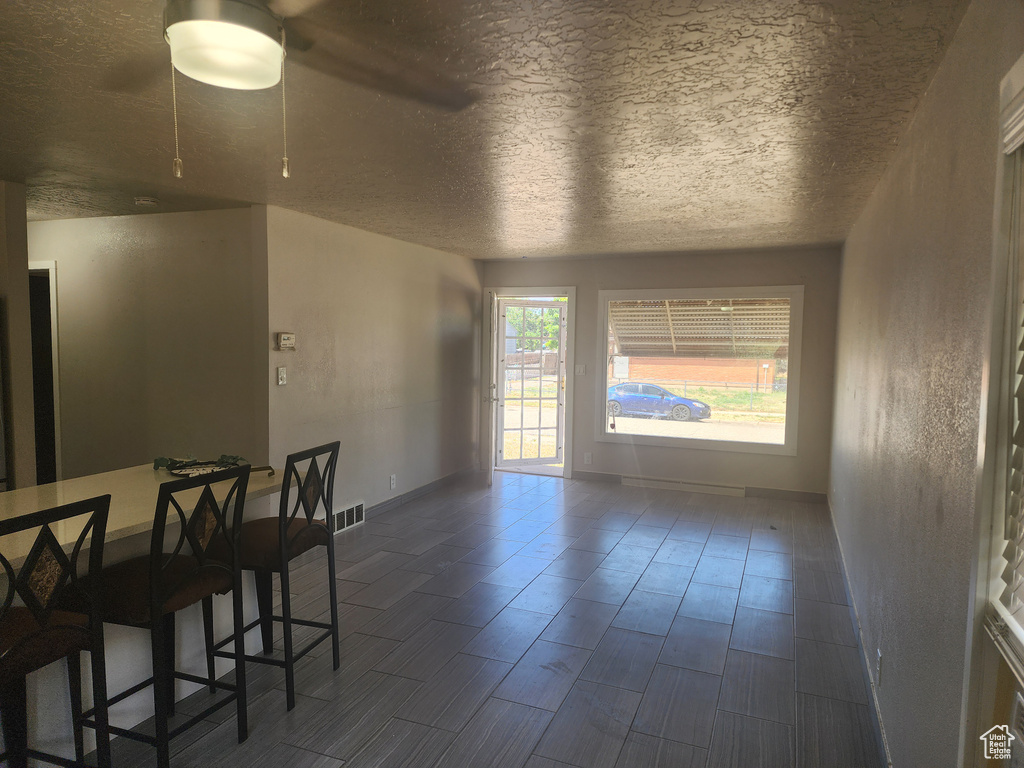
[699, 369]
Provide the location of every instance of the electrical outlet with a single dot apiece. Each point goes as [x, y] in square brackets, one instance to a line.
[282, 376]
[394, 482]
[588, 458]
[878, 668]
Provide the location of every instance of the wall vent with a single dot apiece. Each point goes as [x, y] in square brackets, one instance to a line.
[348, 516]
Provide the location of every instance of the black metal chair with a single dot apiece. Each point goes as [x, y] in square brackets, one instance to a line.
[268, 544]
[35, 631]
[147, 591]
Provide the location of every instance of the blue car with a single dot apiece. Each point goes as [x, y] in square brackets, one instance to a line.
[651, 400]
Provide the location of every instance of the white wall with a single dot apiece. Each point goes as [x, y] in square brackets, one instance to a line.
[156, 319]
[816, 269]
[386, 359]
[911, 342]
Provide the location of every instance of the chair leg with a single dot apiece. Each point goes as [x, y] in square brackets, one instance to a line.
[14, 713]
[168, 627]
[265, 605]
[74, 661]
[289, 655]
[163, 691]
[99, 698]
[211, 667]
[241, 702]
[333, 587]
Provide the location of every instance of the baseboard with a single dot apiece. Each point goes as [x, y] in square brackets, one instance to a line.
[876, 718]
[597, 477]
[682, 485]
[784, 495]
[423, 490]
[720, 489]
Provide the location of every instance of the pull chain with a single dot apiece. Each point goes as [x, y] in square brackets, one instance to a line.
[285, 170]
[176, 166]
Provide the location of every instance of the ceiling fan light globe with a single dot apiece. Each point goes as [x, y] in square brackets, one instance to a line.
[225, 54]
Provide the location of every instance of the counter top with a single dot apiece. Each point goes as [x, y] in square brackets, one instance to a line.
[133, 494]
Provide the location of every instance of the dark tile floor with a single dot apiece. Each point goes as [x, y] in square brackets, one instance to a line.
[545, 623]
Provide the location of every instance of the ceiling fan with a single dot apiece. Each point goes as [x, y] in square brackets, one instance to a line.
[240, 44]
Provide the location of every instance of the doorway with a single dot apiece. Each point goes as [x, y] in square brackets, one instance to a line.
[530, 381]
[42, 285]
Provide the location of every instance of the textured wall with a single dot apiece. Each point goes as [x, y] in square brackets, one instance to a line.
[386, 357]
[912, 331]
[16, 341]
[156, 321]
[816, 269]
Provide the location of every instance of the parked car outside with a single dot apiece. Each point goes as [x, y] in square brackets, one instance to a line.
[634, 399]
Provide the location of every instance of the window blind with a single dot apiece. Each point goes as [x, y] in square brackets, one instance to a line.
[733, 328]
[1012, 596]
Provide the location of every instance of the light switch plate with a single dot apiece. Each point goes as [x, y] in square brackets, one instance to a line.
[282, 376]
[581, 370]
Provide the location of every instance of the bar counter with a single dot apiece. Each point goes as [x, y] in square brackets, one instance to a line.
[133, 493]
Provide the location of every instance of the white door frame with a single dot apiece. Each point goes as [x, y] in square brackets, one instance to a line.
[488, 368]
[560, 376]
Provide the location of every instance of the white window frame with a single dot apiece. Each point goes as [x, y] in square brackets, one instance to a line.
[996, 422]
[795, 294]
[1005, 636]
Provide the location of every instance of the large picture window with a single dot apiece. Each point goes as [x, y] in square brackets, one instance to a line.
[717, 368]
[1011, 443]
[1001, 493]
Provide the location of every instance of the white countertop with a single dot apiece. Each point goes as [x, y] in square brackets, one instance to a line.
[133, 493]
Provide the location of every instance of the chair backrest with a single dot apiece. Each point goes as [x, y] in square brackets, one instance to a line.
[208, 509]
[45, 571]
[308, 485]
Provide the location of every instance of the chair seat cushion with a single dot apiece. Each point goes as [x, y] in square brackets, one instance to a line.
[26, 646]
[260, 548]
[125, 587]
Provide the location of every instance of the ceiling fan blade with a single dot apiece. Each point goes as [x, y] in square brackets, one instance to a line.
[347, 59]
[288, 8]
[137, 73]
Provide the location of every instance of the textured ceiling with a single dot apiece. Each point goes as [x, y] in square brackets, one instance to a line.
[610, 126]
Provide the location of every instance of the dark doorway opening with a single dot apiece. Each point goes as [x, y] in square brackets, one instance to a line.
[42, 376]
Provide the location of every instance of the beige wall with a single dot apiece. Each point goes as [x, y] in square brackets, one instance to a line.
[816, 269]
[912, 335]
[386, 358]
[15, 341]
[157, 347]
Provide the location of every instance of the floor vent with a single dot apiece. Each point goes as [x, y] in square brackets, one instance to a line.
[348, 516]
[678, 485]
